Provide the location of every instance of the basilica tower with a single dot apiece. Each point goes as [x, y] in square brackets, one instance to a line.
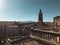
[40, 17]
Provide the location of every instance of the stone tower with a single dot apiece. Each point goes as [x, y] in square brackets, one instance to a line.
[40, 17]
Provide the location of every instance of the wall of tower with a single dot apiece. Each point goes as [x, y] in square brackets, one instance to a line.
[57, 20]
[57, 23]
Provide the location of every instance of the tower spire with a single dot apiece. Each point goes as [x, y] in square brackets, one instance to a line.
[40, 11]
[40, 18]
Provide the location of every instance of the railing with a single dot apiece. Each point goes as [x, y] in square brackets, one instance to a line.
[47, 35]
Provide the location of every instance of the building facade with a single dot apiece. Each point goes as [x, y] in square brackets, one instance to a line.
[57, 23]
[57, 20]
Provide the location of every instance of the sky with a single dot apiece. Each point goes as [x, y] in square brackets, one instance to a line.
[27, 10]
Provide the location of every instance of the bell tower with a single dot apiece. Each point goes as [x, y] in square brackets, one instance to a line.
[40, 17]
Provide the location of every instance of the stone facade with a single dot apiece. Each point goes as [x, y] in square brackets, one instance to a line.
[57, 23]
[57, 20]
